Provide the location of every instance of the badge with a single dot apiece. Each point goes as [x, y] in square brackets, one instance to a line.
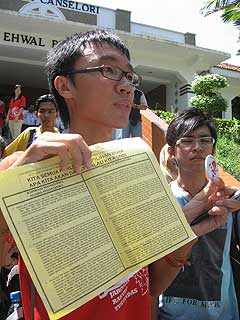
[211, 167]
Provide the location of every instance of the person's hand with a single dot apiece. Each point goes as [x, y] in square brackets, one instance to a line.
[69, 147]
[207, 200]
[228, 203]
[182, 254]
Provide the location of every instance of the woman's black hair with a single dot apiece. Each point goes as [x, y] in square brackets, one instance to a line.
[18, 85]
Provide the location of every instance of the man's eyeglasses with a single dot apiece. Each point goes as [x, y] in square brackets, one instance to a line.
[112, 73]
[189, 141]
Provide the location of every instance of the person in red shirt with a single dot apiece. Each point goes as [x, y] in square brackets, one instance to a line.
[15, 111]
[100, 61]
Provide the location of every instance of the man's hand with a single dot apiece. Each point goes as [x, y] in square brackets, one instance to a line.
[69, 147]
[229, 203]
[208, 200]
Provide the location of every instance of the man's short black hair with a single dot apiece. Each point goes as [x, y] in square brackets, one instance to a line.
[186, 122]
[46, 98]
[62, 57]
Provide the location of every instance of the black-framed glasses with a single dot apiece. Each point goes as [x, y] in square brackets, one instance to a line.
[189, 141]
[112, 73]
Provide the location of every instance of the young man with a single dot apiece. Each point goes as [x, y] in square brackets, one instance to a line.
[205, 290]
[92, 80]
[47, 112]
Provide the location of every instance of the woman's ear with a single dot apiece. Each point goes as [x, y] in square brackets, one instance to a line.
[64, 87]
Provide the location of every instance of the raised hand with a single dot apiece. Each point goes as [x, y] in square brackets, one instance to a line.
[208, 201]
[69, 147]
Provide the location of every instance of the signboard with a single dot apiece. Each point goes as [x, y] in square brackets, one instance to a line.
[72, 5]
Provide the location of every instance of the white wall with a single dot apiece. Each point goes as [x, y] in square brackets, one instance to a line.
[106, 18]
[170, 35]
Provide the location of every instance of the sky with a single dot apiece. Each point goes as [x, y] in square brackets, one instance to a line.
[183, 16]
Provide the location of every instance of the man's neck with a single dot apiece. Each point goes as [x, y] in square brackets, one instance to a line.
[44, 129]
[192, 182]
[91, 133]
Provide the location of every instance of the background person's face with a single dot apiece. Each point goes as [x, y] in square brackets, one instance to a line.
[192, 158]
[97, 100]
[47, 114]
[31, 108]
[17, 91]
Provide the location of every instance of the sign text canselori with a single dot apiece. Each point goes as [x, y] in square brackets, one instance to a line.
[73, 5]
[26, 39]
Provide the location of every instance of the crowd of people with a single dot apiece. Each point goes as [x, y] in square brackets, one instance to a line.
[16, 117]
[99, 60]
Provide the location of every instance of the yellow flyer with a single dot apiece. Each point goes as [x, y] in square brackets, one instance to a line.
[79, 234]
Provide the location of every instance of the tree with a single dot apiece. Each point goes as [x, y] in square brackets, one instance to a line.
[207, 93]
[230, 8]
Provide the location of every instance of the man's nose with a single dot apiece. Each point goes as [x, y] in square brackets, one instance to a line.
[197, 144]
[125, 86]
[46, 114]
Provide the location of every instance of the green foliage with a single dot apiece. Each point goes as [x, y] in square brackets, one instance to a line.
[229, 128]
[164, 115]
[207, 96]
[228, 155]
[210, 104]
[228, 144]
[232, 15]
[230, 11]
[209, 83]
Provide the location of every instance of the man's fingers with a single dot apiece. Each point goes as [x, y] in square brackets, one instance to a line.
[229, 204]
[41, 150]
[218, 210]
[80, 152]
[217, 217]
[69, 147]
[215, 189]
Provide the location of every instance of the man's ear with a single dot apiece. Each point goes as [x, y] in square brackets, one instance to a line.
[64, 87]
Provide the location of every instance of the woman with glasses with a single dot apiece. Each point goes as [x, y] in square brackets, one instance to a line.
[15, 111]
[205, 289]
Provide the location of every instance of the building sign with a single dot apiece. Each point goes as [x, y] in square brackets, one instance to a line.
[72, 5]
[28, 39]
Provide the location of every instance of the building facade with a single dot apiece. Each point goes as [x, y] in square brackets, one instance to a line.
[166, 59]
